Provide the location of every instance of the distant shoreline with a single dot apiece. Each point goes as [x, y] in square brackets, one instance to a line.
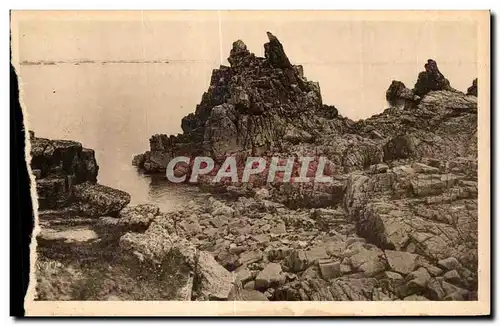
[78, 62]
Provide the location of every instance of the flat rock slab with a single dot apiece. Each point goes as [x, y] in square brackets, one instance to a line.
[250, 257]
[97, 200]
[69, 236]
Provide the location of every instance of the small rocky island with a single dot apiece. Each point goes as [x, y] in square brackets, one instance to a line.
[398, 222]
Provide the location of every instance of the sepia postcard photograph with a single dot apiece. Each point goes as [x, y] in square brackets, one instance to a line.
[281, 163]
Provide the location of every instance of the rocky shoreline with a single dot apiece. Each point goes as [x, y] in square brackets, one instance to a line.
[398, 222]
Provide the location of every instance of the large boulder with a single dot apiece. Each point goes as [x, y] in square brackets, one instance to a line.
[96, 200]
[399, 93]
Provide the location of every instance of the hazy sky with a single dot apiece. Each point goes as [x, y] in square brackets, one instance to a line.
[354, 60]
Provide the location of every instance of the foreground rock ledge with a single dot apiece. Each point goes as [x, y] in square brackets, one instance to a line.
[66, 177]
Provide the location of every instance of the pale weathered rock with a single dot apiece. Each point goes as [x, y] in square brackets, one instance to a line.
[250, 257]
[213, 281]
[223, 210]
[271, 275]
[400, 261]
[460, 295]
[181, 260]
[335, 248]
[138, 218]
[314, 254]
[262, 194]
[243, 275]
[278, 229]
[391, 281]
[422, 168]
[450, 263]
[250, 285]
[369, 261]
[109, 221]
[433, 270]
[378, 168]
[73, 235]
[219, 221]
[329, 269]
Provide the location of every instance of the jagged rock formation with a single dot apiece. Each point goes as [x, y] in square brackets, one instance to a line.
[254, 106]
[66, 175]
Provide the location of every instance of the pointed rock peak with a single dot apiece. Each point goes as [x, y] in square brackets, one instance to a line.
[239, 55]
[473, 89]
[275, 53]
[431, 80]
[271, 37]
[239, 47]
[431, 67]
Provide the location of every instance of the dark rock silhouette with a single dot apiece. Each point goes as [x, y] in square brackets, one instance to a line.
[398, 92]
[275, 53]
[431, 80]
[473, 89]
[66, 175]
